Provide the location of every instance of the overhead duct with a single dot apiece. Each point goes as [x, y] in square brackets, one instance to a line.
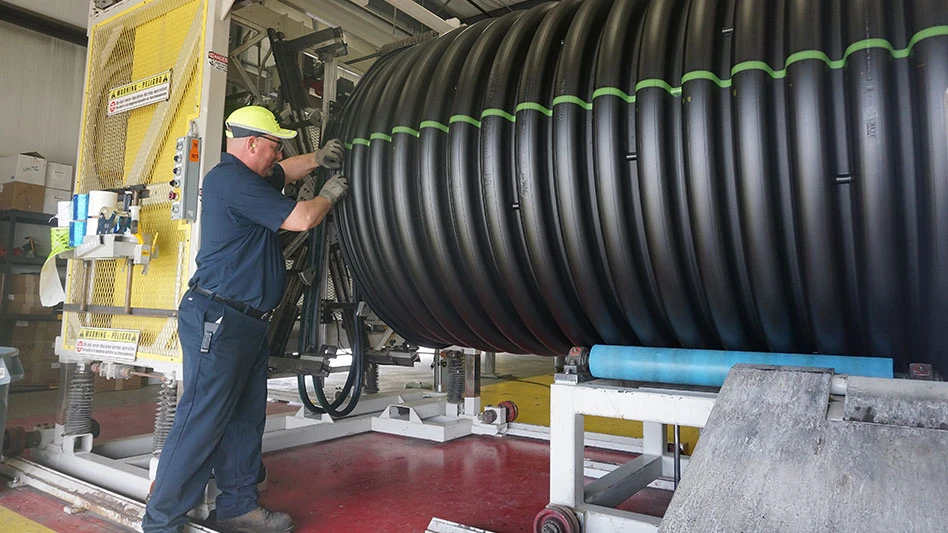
[713, 174]
[422, 15]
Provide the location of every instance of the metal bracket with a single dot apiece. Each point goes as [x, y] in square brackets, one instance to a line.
[576, 367]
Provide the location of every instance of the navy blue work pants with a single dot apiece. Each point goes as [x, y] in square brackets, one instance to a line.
[220, 418]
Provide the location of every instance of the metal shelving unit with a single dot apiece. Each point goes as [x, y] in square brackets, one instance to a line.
[10, 264]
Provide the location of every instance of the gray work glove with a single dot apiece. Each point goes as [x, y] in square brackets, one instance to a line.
[334, 189]
[331, 154]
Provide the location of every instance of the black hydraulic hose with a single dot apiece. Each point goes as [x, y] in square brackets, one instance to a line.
[352, 389]
[726, 174]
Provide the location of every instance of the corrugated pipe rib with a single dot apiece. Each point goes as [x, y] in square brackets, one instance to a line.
[740, 175]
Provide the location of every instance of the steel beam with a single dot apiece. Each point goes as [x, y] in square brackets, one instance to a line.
[422, 15]
[34, 21]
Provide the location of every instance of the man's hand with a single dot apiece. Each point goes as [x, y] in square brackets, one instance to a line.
[335, 188]
[331, 154]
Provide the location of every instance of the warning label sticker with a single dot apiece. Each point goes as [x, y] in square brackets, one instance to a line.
[218, 61]
[114, 344]
[140, 93]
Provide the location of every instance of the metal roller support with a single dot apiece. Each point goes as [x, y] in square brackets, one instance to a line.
[726, 175]
[709, 368]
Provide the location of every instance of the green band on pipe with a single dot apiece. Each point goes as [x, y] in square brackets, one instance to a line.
[567, 99]
[815, 55]
[656, 83]
[927, 33]
[466, 119]
[867, 44]
[533, 106]
[433, 124]
[494, 112]
[612, 91]
[745, 66]
[705, 75]
[756, 65]
[405, 129]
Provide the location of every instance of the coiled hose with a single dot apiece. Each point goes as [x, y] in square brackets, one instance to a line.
[728, 174]
[351, 390]
[309, 336]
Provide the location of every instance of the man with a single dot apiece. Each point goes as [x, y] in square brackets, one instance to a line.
[222, 324]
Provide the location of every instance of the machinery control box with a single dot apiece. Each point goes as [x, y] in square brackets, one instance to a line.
[186, 179]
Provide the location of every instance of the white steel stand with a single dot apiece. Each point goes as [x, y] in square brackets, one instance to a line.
[594, 505]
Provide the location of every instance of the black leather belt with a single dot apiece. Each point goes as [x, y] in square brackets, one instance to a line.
[240, 306]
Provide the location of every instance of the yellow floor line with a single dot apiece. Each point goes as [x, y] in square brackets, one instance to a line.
[532, 396]
[10, 521]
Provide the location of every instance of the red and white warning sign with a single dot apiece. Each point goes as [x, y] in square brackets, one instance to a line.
[218, 61]
[108, 344]
[140, 93]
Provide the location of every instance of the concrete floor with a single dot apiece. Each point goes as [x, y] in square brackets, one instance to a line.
[370, 482]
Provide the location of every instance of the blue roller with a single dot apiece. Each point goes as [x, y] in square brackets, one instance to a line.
[710, 367]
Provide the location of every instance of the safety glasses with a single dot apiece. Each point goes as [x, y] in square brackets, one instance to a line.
[278, 144]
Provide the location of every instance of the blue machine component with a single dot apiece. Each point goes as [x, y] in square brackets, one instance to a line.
[710, 367]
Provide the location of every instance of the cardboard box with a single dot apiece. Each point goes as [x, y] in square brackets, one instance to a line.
[58, 176]
[35, 339]
[51, 197]
[23, 296]
[23, 168]
[23, 196]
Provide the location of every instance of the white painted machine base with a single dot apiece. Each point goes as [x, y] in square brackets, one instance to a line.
[434, 418]
[656, 408]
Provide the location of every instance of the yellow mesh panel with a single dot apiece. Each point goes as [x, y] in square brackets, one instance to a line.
[136, 148]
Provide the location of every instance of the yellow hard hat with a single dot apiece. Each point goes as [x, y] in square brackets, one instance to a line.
[256, 119]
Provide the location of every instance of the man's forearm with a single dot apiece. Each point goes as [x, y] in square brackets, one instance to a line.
[298, 166]
[307, 214]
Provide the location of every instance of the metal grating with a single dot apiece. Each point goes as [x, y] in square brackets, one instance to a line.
[135, 148]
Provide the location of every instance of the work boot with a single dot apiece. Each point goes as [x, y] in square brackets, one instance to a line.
[259, 520]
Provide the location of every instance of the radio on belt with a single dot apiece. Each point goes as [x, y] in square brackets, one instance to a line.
[186, 178]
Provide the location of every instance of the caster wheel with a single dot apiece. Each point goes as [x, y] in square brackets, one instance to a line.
[556, 519]
[512, 411]
[14, 441]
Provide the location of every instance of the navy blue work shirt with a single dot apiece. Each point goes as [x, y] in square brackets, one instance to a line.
[240, 256]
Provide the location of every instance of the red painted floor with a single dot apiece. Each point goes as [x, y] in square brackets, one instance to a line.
[372, 483]
[382, 483]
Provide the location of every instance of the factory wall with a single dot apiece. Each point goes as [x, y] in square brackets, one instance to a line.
[41, 85]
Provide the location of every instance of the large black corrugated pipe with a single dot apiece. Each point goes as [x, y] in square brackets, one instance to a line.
[728, 174]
